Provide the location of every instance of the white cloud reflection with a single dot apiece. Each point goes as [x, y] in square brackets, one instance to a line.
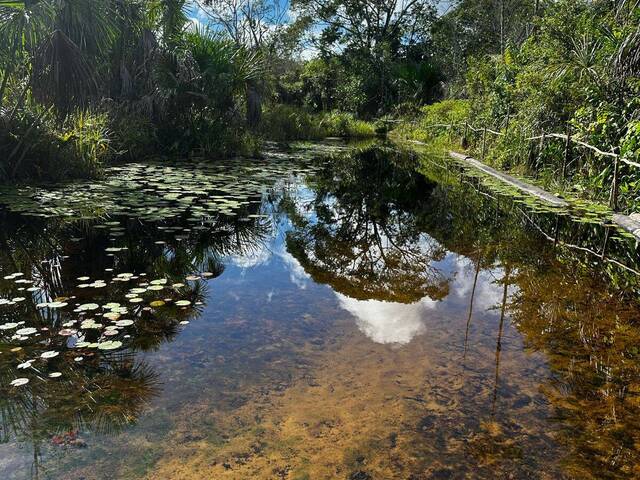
[398, 323]
[297, 274]
[388, 322]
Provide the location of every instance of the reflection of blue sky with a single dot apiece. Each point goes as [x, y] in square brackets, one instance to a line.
[382, 322]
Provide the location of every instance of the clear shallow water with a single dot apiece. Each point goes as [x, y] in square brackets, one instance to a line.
[352, 319]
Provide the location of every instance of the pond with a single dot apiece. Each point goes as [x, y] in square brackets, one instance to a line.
[328, 311]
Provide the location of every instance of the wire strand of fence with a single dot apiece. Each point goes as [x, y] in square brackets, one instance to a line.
[559, 136]
[568, 139]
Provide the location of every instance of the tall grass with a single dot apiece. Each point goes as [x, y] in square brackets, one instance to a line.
[429, 124]
[36, 144]
[285, 122]
[86, 143]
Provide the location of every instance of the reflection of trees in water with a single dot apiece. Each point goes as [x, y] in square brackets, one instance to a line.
[364, 240]
[105, 391]
[576, 314]
[590, 338]
[103, 395]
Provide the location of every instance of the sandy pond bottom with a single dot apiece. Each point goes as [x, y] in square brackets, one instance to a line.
[354, 320]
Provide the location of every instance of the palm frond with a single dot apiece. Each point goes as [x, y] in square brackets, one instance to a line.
[627, 59]
[90, 25]
[23, 27]
[61, 74]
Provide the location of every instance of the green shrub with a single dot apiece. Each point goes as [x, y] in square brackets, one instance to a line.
[134, 135]
[285, 122]
[339, 124]
[429, 125]
[34, 144]
[85, 142]
[27, 143]
[446, 112]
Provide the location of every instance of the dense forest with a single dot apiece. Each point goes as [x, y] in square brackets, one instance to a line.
[87, 82]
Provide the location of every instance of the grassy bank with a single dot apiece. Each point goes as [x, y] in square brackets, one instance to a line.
[429, 125]
[37, 145]
[510, 150]
[34, 144]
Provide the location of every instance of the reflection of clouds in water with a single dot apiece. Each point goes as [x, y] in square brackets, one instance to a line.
[488, 292]
[254, 258]
[388, 322]
[296, 272]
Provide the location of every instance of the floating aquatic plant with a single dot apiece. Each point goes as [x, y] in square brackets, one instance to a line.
[18, 382]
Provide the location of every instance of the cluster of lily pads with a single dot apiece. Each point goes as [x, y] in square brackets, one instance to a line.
[85, 326]
[193, 192]
[156, 191]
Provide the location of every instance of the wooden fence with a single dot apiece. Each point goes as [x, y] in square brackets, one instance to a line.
[542, 138]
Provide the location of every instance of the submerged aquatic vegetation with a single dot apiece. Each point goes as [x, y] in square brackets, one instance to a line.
[96, 297]
[451, 326]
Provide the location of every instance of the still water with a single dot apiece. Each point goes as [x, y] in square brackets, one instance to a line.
[325, 312]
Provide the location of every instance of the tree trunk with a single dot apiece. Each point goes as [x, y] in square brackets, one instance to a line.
[502, 27]
[254, 104]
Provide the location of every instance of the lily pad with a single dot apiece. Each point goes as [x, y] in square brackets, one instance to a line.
[49, 354]
[109, 345]
[18, 382]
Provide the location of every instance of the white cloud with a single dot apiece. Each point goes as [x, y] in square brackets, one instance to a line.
[388, 322]
[488, 293]
[253, 258]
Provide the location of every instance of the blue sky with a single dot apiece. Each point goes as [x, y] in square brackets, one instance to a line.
[195, 13]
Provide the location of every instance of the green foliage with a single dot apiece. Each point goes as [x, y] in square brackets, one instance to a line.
[34, 144]
[285, 122]
[430, 124]
[337, 124]
[85, 142]
[165, 85]
[170, 87]
[630, 150]
[447, 111]
[569, 69]
[133, 135]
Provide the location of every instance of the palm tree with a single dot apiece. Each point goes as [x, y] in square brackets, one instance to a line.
[23, 25]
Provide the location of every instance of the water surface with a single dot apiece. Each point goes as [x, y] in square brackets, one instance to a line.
[325, 312]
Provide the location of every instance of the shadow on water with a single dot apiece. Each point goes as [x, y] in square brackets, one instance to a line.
[377, 317]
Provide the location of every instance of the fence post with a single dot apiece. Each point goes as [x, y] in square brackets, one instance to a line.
[607, 233]
[484, 142]
[465, 136]
[613, 197]
[567, 150]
